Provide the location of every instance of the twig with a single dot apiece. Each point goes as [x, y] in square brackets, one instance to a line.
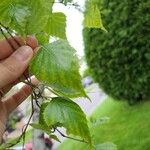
[69, 137]
[13, 48]
[32, 112]
[36, 93]
[9, 32]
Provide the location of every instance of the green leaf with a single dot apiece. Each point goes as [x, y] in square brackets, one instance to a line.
[25, 17]
[92, 18]
[45, 129]
[39, 14]
[4, 11]
[19, 15]
[64, 112]
[14, 15]
[52, 136]
[106, 146]
[41, 127]
[41, 119]
[57, 66]
[66, 1]
[147, 56]
[42, 38]
[56, 25]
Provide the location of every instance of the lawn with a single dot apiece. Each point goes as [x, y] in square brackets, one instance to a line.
[128, 126]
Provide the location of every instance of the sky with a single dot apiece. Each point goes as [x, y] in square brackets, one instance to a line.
[74, 25]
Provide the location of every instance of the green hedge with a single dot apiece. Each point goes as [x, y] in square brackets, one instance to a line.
[120, 59]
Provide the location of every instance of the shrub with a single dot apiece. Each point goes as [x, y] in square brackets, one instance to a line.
[120, 59]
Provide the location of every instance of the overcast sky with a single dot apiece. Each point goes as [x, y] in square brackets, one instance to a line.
[74, 25]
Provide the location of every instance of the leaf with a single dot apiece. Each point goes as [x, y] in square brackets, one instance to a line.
[147, 56]
[64, 112]
[106, 146]
[41, 119]
[66, 1]
[39, 14]
[56, 25]
[41, 127]
[52, 136]
[30, 15]
[92, 18]
[57, 66]
[19, 15]
[45, 129]
[4, 11]
[14, 15]
[42, 38]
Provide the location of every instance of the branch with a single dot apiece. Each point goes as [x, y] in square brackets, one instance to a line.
[68, 136]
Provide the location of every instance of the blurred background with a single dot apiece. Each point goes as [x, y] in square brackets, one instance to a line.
[117, 62]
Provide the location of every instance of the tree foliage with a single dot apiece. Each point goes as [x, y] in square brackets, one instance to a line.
[64, 112]
[120, 59]
[59, 68]
[55, 65]
[92, 15]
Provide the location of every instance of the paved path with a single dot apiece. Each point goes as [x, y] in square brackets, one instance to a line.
[96, 96]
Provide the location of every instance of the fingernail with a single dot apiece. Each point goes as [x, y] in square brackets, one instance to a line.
[31, 36]
[32, 41]
[24, 53]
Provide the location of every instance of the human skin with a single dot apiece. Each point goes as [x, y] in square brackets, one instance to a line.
[13, 64]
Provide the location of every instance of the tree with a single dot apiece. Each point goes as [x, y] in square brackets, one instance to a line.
[55, 65]
[120, 59]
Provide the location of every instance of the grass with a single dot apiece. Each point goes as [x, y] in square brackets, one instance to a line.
[128, 127]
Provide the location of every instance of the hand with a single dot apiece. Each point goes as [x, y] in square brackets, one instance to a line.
[12, 66]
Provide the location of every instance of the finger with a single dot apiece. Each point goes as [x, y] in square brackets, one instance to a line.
[6, 50]
[6, 89]
[23, 77]
[14, 66]
[14, 101]
[32, 42]
[5, 47]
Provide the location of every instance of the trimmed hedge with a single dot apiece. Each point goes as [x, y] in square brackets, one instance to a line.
[120, 59]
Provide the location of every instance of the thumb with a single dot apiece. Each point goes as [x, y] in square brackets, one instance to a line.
[14, 66]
